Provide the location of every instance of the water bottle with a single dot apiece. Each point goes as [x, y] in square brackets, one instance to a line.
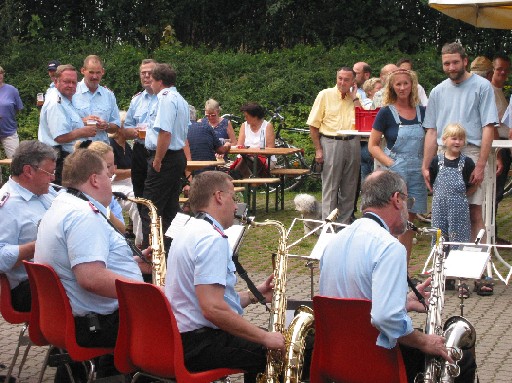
[262, 138]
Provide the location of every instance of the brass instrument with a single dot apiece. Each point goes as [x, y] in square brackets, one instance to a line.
[458, 332]
[156, 239]
[289, 366]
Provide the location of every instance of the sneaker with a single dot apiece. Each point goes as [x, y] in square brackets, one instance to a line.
[427, 218]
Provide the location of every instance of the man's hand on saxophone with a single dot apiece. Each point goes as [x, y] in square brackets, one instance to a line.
[413, 304]
[145, 267]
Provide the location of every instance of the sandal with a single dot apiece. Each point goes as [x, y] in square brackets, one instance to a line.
[464, 291]
[484, 287]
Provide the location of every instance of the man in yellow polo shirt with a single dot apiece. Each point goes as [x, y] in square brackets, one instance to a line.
[333, 110]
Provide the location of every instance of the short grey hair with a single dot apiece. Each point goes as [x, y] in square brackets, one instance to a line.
[31, 153]
[378, 188]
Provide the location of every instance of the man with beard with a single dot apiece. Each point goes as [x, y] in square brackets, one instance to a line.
[466, 99]
[366, 261]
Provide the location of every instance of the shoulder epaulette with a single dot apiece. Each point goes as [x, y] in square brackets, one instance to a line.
[59, 100]
[165, 93]
[110, 90]
[137, 94]
[4, 198]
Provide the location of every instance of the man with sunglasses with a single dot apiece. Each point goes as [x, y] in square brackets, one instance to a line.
[366, 261]
[23, 201]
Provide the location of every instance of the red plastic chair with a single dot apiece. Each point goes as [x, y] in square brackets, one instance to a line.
[56, 320]
[153, 347]
[345, 349]
[14, 317]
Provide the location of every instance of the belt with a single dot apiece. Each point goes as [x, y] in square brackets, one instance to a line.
[338, 138]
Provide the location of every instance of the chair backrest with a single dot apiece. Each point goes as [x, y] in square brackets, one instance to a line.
[147, 331]
[8, 312]
[54, 307]
[345, 349]
[34, 329]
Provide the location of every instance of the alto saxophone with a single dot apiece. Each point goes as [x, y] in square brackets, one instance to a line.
[289, 366]
[156, 239]
[458, 332]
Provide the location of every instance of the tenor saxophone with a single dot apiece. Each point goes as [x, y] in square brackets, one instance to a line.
[458, 332]
[156, 239]
[290, 365]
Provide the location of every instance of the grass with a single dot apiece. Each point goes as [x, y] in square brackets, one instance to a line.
[260, 242]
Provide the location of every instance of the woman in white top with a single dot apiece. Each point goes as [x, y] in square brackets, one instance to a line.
[251, 133]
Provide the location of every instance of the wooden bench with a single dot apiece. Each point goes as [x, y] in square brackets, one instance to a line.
[183, 199]
[239, 189]
[282, 173]
[251, 186]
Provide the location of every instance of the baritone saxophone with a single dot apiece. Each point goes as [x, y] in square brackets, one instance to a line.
[290, 365]
[156, 239]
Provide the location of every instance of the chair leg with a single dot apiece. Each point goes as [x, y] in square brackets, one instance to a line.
[92, 371]
[21, 340]
[45, 364]
[24, 357]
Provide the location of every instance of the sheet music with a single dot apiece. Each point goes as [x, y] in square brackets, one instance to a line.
[234, 233]
[325, 237]
[177, 224]
[466, 264]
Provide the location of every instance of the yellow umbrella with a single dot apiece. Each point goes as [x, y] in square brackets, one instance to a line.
[480, 13]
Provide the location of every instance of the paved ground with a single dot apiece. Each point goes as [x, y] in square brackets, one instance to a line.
[491, 316]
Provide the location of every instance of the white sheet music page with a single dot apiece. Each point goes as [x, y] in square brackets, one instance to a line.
[466, 264]
[325, 237]
[234, 232]
[177, 224]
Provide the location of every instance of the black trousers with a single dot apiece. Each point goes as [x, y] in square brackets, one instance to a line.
[163, 189]
[139, 168]
[59, 164]
[207, 348]
[21, 297]
[414, 361]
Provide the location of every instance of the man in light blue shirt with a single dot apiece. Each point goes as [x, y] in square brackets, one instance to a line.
[165, 141]
[23, 201]
[137, 118]
[86, 252]
[200, 286]
[94, 102]
[366, 261]
[59, 123]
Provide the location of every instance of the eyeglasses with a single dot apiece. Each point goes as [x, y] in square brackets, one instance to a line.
[145, 73]
[51, 174]
[234, 196]
[409, 200]
[210, 114]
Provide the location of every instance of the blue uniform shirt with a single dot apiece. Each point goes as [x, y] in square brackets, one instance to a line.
[199, 256]
[102, 103]
[74, 232]
[138, 112]
[171, 114]
[19, 216]
[58, 117]
[365, 261]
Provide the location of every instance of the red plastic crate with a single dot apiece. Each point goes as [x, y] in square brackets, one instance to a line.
[365, 119]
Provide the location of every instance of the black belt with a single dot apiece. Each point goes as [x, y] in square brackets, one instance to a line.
[338, 138]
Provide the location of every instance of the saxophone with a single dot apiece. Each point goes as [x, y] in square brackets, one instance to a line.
[289, 366]
[458, 332]
[156, 239]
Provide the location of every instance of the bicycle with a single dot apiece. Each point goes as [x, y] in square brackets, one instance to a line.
[294, 161]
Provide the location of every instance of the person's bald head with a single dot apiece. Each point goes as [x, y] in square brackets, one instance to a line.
[386, 70]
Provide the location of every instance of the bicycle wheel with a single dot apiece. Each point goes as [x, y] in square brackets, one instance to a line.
[507, 190]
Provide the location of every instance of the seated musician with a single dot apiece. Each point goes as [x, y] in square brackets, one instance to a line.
[200, 287]
[86, 252]
[23, 201]
[366, 261]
